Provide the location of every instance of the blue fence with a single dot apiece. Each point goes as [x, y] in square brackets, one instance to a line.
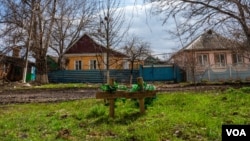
[90, 76]
[149, 73]
[161, 73]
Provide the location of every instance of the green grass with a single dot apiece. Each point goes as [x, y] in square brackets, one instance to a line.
[172, 116]
[55, 86]
[67, 85]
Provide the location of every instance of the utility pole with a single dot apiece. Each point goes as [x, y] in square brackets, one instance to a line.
[28, 45]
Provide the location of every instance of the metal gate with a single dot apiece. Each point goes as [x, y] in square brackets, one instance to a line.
[161, 73]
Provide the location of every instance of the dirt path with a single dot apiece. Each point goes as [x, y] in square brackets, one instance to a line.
[23, 96]
[52, 95]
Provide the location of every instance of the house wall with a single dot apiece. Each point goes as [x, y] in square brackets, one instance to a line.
[136, 64]
[228, 53]
[184, 57]
[85, 62]
[115, 62]
[212, 72]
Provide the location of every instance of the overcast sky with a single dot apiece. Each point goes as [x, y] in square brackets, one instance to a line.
[149, 28]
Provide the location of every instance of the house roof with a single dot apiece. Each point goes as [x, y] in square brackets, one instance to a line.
[211, 40]
[152, 60]
[86, 44]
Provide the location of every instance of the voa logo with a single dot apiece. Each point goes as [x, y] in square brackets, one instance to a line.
[236, 132]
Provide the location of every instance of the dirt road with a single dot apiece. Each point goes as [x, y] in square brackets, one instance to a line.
[27, 96]
[57, 95]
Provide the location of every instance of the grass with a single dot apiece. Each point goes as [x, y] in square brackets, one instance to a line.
[53, 86]
[172, 116]
[66, 85]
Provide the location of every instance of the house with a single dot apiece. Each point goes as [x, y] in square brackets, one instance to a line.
[11, 67]
[87, 54]
[212, 57]
[150, 60]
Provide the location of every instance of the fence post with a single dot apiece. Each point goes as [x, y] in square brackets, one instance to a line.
[230, 71]
[208, 73]
[140, 71]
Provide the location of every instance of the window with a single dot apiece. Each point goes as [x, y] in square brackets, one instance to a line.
[125, 65]
[202, 59]
[93, 65]
[220, 60]
[78, 65]
[237, 59]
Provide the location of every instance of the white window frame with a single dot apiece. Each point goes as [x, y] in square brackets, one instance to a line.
[201, 59]
[237, 59]
[222, 59]
[78, 65]
[92, 66]
[125, 65]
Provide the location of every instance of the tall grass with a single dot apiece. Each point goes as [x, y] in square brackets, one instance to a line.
[172, 116]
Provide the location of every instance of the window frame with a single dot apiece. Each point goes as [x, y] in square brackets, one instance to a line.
[78, 65]
[203, 63]
[220, 63]
[93, 66]
[237, 56]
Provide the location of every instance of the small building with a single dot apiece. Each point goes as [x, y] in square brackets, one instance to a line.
[11, 67]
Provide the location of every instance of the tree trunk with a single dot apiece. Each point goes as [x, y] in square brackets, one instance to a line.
[60, 63]
[41, 73]
[131, 72]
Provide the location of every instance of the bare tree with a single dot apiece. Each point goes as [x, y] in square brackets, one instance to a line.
[136, 49]
[72, 17]
[35, 19]
[42, 29]
[13, 22]
[110, 27]
[230, 17]
[189, 64]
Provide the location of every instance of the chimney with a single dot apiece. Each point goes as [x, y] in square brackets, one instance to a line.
[16, 52]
